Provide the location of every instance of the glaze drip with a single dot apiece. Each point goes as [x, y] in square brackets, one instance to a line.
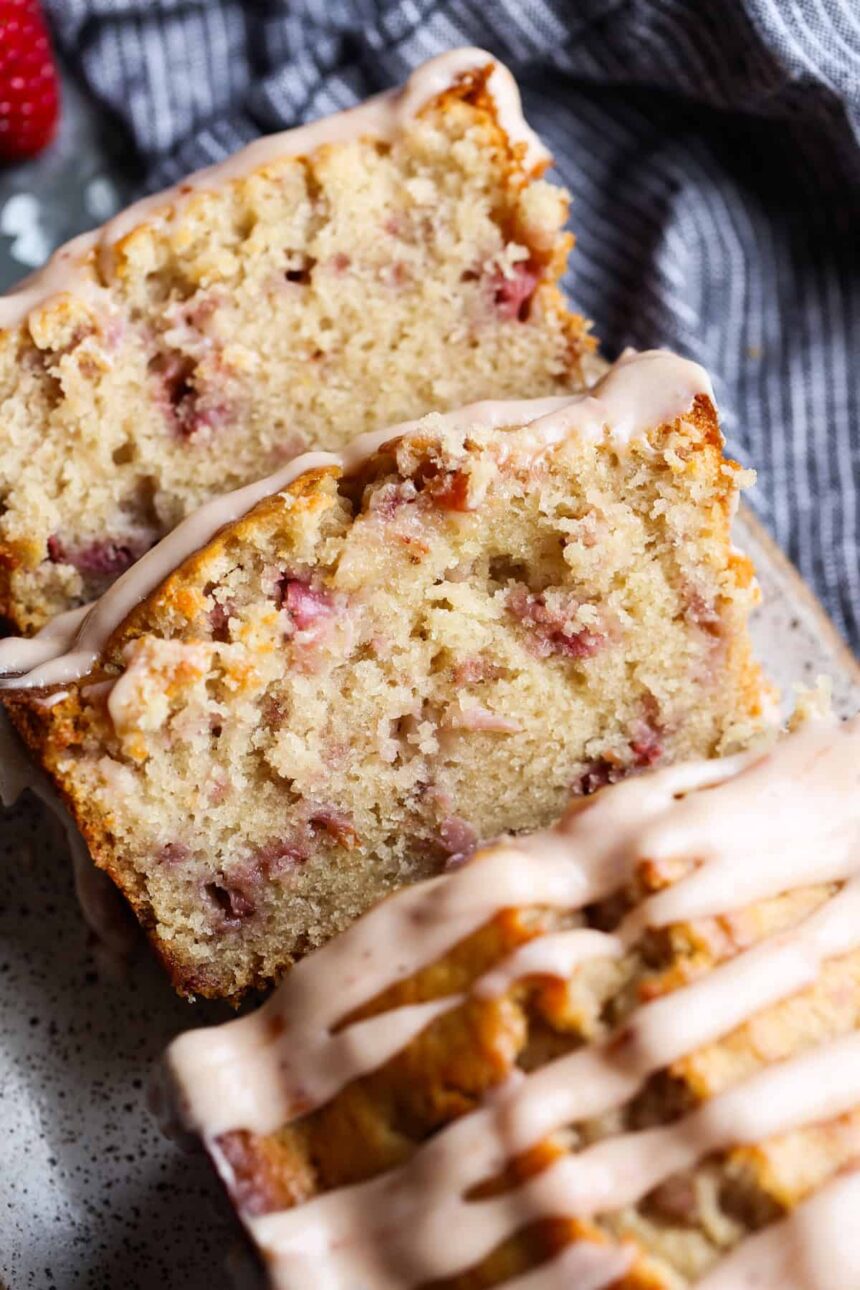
[741, 830]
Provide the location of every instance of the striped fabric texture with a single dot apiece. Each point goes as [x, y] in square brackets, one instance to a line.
[712, 148]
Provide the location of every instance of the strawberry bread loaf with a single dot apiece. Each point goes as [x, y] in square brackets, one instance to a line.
[392, 653]
[623, 1053]
[398, 258]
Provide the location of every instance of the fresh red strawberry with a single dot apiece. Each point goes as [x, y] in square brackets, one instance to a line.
[29, 89]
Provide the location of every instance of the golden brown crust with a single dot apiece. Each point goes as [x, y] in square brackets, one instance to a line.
[179, 592]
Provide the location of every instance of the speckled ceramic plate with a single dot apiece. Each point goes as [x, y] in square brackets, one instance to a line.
[90, 1194]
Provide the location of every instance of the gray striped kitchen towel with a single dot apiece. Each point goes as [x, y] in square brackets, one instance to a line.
[712, 147]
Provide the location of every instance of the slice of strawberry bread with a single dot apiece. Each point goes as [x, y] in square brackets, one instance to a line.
[424, 641]
[395, 259]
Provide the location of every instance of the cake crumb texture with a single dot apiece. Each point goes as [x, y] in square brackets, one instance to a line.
[368, 674]
[316, 297]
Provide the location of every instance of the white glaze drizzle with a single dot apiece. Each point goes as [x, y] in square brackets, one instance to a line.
[24, 653]
[817, 1247]
[590, 854]
[70, 269]
[765, 822]
[558, 954]
[638, 393]
[584, 1266]
[414, 1224]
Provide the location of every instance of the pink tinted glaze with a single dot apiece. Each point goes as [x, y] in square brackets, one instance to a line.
[756, 825]
[817, 1247]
